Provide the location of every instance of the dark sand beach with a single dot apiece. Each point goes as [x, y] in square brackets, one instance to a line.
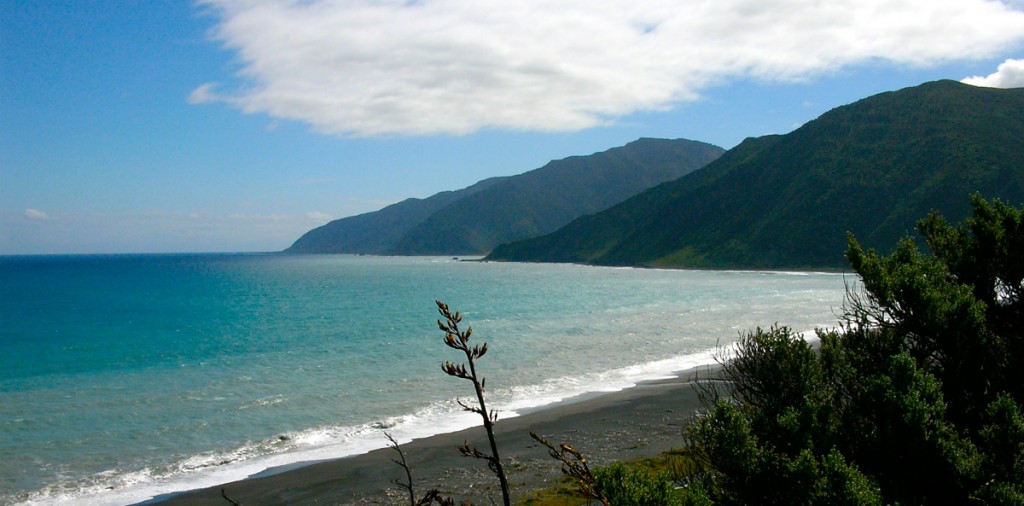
[641, 421]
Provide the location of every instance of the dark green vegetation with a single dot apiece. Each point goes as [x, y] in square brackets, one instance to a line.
[871, 168]
[475, 219]
[917, 400]
[634, 486]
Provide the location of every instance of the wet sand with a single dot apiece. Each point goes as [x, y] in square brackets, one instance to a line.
[641, 421]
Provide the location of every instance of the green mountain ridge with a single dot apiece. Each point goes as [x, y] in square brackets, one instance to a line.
[872, 168]
[379, 231]
[475, 219]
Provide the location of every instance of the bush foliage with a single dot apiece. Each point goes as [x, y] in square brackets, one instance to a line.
[625, 485]
[915, 400]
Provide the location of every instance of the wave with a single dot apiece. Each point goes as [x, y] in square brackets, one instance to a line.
[290, 450]
[265, 401]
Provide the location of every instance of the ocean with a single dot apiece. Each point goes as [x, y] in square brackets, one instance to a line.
[126, 377]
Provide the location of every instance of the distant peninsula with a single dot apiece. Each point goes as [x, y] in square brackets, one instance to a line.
[475, 219]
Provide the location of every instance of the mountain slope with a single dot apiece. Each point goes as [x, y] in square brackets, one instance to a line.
[873, 167]
[474, 220]
[379, 231]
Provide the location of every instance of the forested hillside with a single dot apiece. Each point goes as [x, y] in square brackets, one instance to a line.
[872, 168]
[475, 219]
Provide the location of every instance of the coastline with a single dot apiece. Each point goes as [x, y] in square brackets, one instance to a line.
[641, 421]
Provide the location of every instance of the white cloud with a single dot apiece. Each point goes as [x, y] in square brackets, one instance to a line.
[393, 67]
[1009, 74]
[205, 94]
[35, 214]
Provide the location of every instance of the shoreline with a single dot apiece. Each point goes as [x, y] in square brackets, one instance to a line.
[640, 421]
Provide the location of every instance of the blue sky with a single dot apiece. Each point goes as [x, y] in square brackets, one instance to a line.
[237, 125]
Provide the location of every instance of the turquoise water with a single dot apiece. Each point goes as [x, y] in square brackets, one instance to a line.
[126, 377]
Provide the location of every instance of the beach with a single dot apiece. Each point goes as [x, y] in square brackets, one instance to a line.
[642, 421]
[144, 376]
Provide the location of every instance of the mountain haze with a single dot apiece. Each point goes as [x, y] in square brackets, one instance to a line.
[872, 167]
[475, 219]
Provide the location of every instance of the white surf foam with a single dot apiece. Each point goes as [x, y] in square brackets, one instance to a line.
[291, 450]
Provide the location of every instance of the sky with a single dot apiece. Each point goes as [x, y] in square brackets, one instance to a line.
[238, 125]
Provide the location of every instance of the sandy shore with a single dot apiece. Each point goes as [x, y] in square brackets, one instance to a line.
[641, 421]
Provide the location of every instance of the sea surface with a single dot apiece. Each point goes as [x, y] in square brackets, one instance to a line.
[126, 377]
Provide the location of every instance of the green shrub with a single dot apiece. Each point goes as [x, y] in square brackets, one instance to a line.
[917, 400]
[626, 485]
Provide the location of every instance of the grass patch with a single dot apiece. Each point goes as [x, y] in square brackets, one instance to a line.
[565, 493]
[675, 463]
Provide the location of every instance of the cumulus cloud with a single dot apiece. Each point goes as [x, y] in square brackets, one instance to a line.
[35, 214]
[356, 68]
[1009, 74]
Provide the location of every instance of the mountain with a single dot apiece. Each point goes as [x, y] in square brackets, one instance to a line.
[475, 219]
[378, 232]
[873, 168]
